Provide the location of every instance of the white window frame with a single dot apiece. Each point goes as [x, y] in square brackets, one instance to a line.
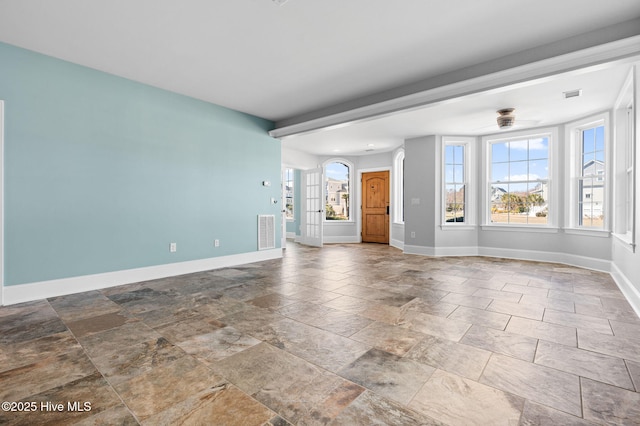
[293, 195]
[630, 172]
[624, 158]
[350, 165]
[398, 187]
[553, 201]
[572, 175]
[468, 143]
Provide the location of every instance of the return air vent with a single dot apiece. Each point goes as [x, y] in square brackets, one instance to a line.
[266, 232]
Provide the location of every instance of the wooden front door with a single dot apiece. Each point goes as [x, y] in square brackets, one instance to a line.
[375, 207]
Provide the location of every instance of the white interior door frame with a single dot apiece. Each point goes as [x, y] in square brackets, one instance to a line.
[1, 202]
[312, 204]
[359, 196]
[283, 210]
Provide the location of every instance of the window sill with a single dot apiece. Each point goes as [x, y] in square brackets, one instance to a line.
[463, 227]
[626, 240]
[338, 222]
[588, 232]
[513, 228]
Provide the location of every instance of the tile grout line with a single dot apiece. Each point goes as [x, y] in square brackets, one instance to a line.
[84, 350]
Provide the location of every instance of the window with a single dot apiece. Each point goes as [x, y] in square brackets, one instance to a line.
[518, 190]
[629, 173]
[288, 191]
[623, 164]
[337, 175]
[590, 179]
[455, 182]
[587, 175]
[398, 211]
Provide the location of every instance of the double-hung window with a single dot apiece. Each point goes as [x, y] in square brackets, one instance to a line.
[519, 184]
[398, 166]
[623, 164]
[629, 173]
[455, 182]
[588, 174]
[590, 178]
[289, 190]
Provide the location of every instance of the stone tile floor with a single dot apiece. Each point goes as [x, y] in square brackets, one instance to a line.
[343, 335]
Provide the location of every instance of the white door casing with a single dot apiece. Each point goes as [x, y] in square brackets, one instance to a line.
[283, 203]
[1, 202]
[312, 207]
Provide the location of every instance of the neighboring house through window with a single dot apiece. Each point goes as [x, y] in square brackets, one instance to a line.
[455, 182]
[337, 202]
[588, 180]
[289, 190]
[591, 178]
[518, 187]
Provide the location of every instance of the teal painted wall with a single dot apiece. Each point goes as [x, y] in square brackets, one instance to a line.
[103, 173]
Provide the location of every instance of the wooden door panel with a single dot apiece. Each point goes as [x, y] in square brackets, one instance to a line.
[375, 207]
[376, 198]
[376, 224]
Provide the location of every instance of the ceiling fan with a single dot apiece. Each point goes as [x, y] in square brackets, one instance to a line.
[507, 120]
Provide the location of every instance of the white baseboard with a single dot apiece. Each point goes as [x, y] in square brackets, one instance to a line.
[457, 251]
[441, 251]
[541, 256]
[421, 250]
[397, 244]
[45, 289]
[630, 292]
[548, 256]
[341, 240]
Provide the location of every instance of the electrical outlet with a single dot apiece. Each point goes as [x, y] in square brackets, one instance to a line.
[413, 234]
[216, 243]
[173, 247]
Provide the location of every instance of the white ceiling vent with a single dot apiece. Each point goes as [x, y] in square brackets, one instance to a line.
[266, 232]
[572, 93]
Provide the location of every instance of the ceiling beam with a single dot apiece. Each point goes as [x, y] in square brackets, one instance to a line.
[618, 43]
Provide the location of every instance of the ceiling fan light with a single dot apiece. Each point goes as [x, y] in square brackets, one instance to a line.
[506, 119]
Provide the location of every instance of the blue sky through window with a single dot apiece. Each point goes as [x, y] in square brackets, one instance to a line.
[593, 145]
[454, 163]
[520, 160]
[337, 171]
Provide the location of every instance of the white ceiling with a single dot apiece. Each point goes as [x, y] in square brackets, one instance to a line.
[282, 61]
[538, 103]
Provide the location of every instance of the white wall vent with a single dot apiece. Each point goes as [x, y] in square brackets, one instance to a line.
[266, 232]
